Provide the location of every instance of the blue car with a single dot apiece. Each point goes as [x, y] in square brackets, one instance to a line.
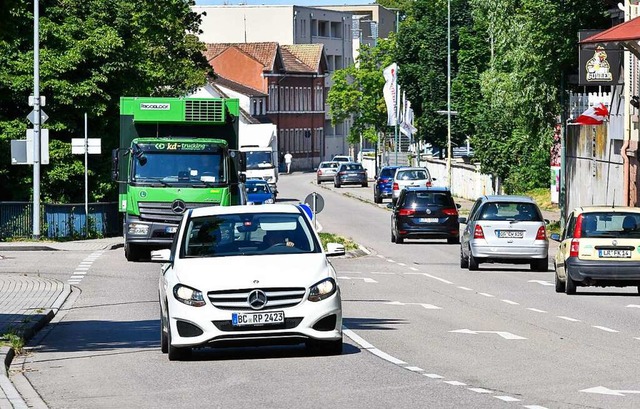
[259, 192]
[384, 183]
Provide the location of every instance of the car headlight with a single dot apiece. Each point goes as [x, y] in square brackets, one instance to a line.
[138, 229]
[268, 201]
[188, 295]
[322, 290]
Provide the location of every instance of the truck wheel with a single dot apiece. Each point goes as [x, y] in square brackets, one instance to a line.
[133, 252]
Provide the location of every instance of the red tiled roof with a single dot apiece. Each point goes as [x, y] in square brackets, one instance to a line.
[301, 57]
[627, 31]
[264, 53]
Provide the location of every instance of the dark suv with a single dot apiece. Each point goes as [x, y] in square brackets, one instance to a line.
[384, 183]
[425, 213]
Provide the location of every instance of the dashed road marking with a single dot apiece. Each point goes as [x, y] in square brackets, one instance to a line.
[562, 317]
[426, 306]
[433, 376]
[510, 302]
[434, 277]
[466, 288]
[487, 295]
[537, 310]
[507, 398]
[455, 383]
[480, 390]
[604, 328]
[83, 267]
[365, 279]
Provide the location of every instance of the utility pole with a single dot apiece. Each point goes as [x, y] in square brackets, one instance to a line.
[449, 94]
[36, 121]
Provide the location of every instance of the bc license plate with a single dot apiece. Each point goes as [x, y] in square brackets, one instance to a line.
[612, 253]
[171, 229]
[510, 234]
[257, 318]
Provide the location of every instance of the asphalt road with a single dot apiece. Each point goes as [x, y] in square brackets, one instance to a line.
[420, 332]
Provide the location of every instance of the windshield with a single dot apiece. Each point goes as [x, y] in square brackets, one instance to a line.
[248, 235]
[259, 160]
[179, 167]
[257, 188]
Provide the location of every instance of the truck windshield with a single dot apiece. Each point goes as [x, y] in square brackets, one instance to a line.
[259, 160]
[179, 167]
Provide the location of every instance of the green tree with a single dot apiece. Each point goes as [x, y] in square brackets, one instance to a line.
[91, 53]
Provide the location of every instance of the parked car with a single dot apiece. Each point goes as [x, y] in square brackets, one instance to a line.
[600, 246]
[409, 177]
[384, 183]
[259, 192]
[425, 213]
[504, 229]
[234, 277]
[342, 158]
[351, 173]
[326, 171]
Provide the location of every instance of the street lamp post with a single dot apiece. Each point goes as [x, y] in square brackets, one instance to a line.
[449, 94]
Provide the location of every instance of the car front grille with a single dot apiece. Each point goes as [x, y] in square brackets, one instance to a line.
[161, 211]
[237, 300]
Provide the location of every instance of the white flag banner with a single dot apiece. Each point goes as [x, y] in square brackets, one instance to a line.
[406, 118]
[389, 91]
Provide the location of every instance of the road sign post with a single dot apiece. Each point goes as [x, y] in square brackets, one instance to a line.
[86, 146]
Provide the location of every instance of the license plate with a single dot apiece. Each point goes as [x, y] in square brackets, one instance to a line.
[612, 253]
[428, 220]
[510, 234]
[257, 318]
[171, 229]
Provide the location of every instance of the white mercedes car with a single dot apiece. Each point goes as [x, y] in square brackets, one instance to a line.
[248, 275]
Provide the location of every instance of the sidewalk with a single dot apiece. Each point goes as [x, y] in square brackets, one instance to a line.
[28, 303]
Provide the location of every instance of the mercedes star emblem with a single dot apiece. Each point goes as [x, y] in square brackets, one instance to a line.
[178, 206]
[257, 299]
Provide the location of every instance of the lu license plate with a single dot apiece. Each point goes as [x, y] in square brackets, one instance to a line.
[257, 318]
[611, 253]
[510, 234]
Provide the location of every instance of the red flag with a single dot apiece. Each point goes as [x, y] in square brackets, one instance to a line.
[595, 115]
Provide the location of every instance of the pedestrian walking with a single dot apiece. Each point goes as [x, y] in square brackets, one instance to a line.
[287, 160]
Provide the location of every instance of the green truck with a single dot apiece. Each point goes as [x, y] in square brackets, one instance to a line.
[174, 154]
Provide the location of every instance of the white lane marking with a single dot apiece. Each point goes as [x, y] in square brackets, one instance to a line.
[604, 328]
[603, 390]
[535, 407]
[537, 310]
[380, 256]
[83, 267]
[562, 317]
[433, 376]
[75, 277]
[455, 383]
[541, 282]
[386, 273]
[633, 306]
[390, 260]
[414, 368]
[413, 269]
[503, 334]
[466, 288]
[487, 295]
[638, 338]
[480, 390]
[510, 302]
[426, 306]
[434, 277]
[507, 398]
[402, 264]
[365, 279]
[365, 345]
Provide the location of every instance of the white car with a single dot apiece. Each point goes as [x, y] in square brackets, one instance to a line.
[248, 275]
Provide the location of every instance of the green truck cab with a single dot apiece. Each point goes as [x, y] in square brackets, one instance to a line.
[174, 154]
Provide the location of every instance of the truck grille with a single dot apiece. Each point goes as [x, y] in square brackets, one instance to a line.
[237, 299]
[204, 111]
[161, 211]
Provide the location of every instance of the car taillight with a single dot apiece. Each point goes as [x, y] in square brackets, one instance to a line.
[478, 233]
[406, 212]
[577, 232]
[343, 173]
[450, 212]
[542, 233]
[575, 246]
[428, 183]
[319, 172]
[396, 187]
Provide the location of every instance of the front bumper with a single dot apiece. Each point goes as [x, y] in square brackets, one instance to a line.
[159, 234]
[603, 273]
[210, 326]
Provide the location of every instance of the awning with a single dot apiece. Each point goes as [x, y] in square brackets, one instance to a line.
[626, 34]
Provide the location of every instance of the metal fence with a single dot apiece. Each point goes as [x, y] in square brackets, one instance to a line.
[60, 221]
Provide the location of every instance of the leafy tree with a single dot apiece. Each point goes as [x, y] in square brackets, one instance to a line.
[357, 92]
[91, 53]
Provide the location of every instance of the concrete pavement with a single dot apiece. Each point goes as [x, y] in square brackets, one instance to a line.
[29, 302]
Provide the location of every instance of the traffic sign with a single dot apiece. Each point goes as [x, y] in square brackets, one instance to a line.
[32, 117]
[315, 202]
[93, 146]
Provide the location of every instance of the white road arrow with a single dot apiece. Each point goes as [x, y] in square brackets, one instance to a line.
[541, 282]
[633, 306]
[427, 306]
[603, 390]
[365, 279]
[503, 334]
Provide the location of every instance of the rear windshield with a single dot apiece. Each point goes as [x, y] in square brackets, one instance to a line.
[610, 225]
[352, 167]
[527, 212]
[416, 199]
[387, 173]
[329, 165]
[416, 174]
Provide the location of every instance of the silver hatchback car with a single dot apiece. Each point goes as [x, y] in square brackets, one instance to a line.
[504, 229]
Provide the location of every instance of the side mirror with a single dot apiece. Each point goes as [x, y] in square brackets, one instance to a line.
[389, 205]
[546, 221]
[555, 237]
[161, 256]
[115, 174]
[242, 178]
[335, 249]
[458, 205]
[462, 220]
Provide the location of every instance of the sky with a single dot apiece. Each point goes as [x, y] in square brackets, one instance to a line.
[284, 2]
